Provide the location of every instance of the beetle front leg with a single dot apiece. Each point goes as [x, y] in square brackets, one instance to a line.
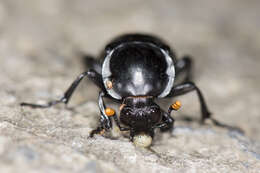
[105, 118]
[93, 75]
[167, 121]
[166, 124]
[105, 121]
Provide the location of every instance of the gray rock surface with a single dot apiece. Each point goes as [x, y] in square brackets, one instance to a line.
[39, 58]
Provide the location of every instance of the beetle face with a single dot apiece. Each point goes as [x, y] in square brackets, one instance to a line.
[140, 113]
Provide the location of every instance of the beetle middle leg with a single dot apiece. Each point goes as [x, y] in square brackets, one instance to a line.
[91, 74]
[188, 87]
[105, 121]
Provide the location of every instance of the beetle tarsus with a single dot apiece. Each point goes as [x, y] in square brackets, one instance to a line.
[231, 128]
[49, 104]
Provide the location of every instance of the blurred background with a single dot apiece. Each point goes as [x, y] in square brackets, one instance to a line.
[40, 43]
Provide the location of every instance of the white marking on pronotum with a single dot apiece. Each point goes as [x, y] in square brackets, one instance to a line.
[106, 73]
[170, 72]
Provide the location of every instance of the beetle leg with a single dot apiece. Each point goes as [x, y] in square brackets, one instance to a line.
[105, 120]
[188, 87]
[93, 75]
[167, 122]
[184, 65]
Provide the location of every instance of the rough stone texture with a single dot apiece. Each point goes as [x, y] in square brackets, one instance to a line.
[39, 46]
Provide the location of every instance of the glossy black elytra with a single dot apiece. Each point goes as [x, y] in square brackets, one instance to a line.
[136, 70]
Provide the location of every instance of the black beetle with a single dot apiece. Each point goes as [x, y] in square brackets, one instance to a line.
[136, 70]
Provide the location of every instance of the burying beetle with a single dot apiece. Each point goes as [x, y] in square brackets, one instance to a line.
[137, 69]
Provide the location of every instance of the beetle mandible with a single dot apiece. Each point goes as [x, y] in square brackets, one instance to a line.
[136, 70]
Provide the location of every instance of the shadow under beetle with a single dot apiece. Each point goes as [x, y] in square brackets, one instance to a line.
[136, 70]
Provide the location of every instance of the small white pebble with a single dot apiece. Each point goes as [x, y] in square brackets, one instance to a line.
[142, 140]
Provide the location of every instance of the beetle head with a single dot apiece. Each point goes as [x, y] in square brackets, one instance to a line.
[140, 113]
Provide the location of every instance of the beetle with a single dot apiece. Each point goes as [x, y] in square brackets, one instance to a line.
[136, 70]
